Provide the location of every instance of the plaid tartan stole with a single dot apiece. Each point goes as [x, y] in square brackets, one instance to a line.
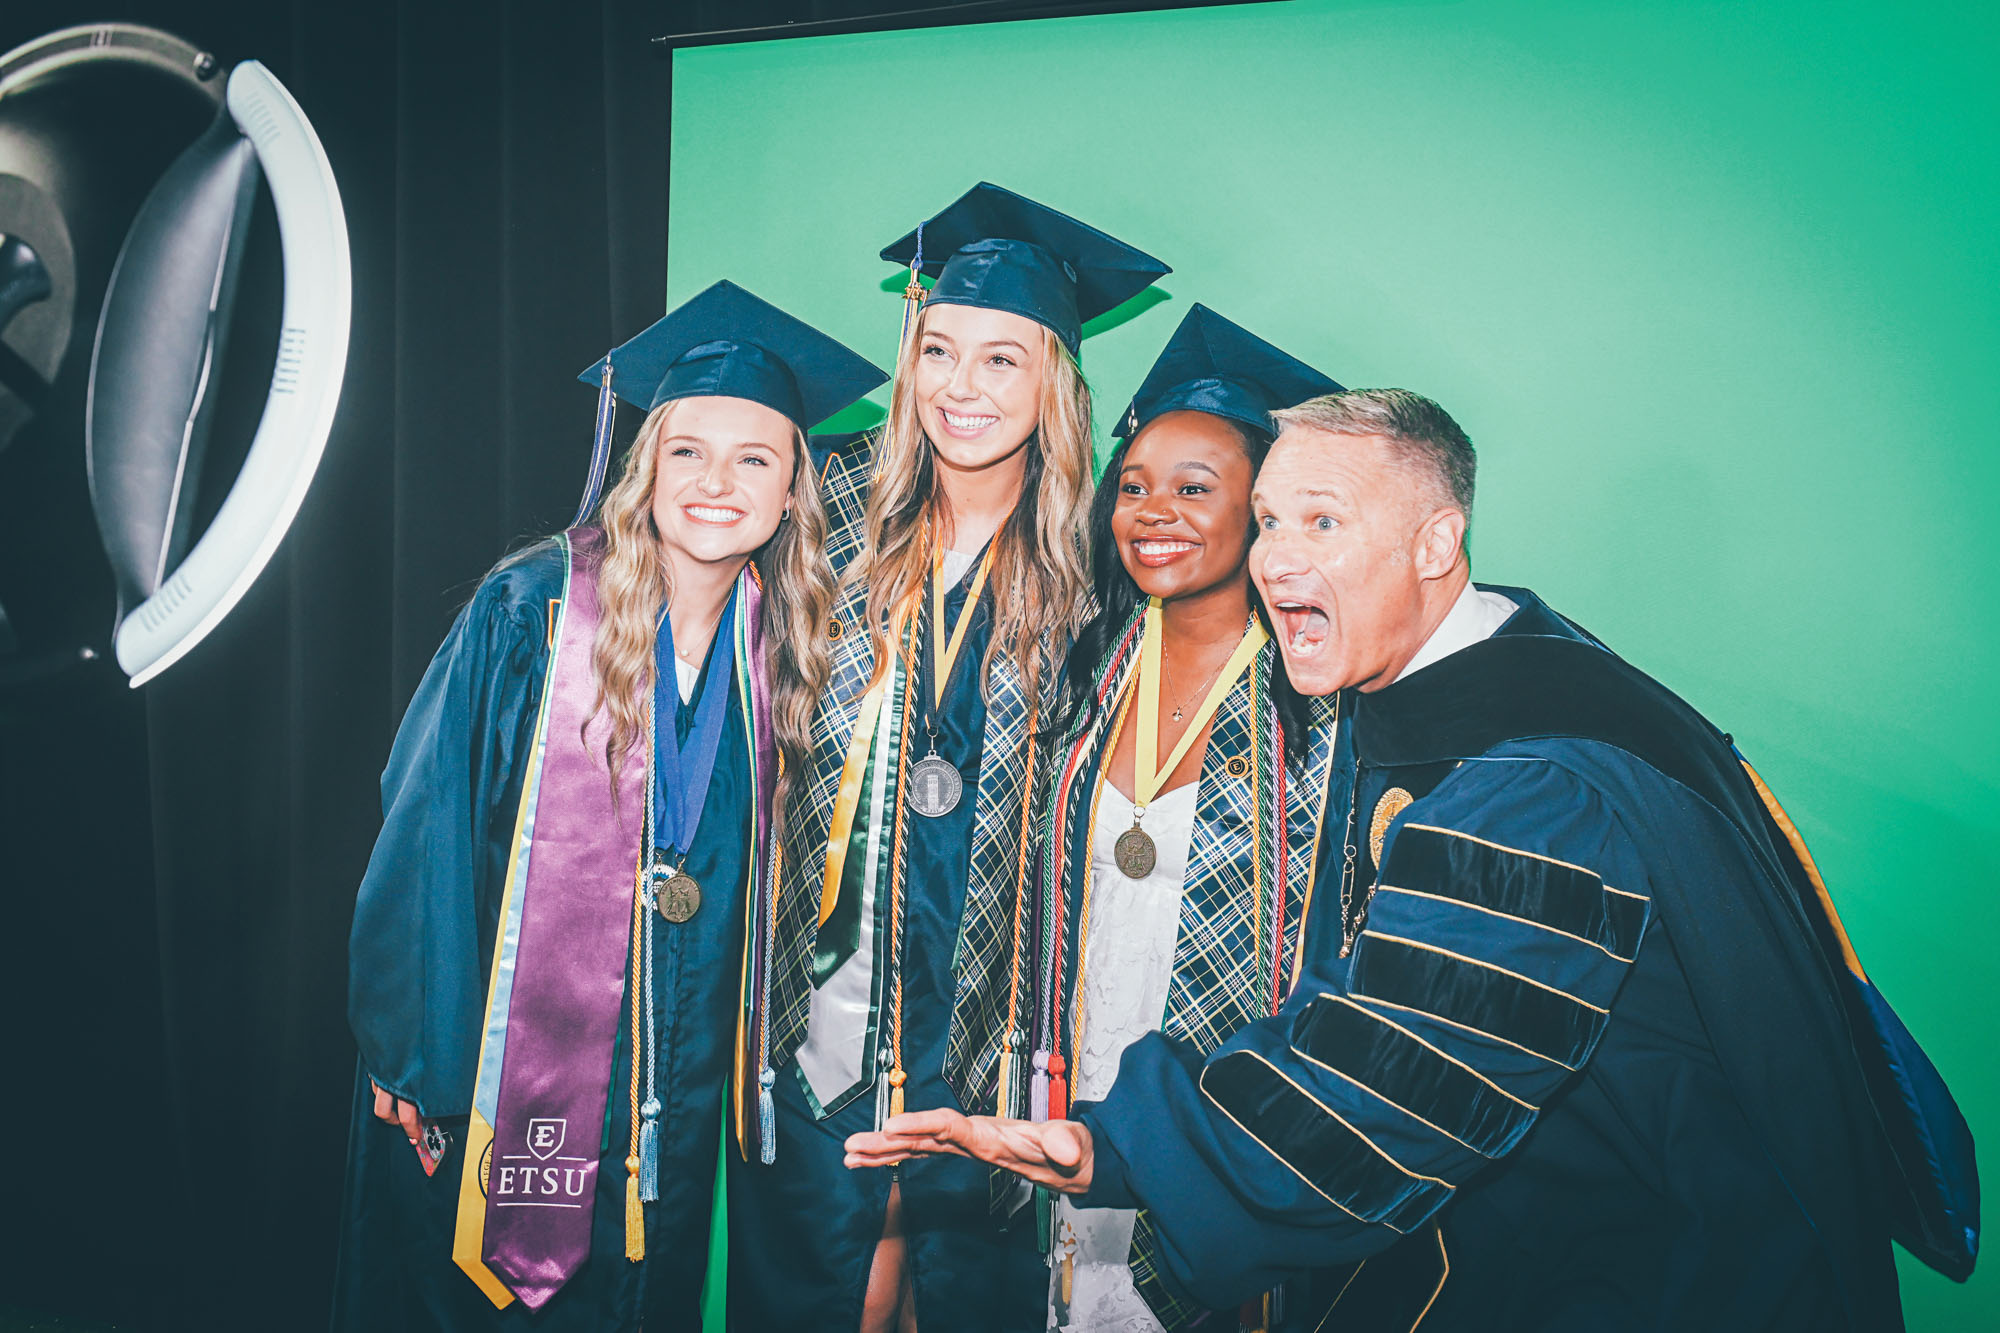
[809, 811]
[1243, 898]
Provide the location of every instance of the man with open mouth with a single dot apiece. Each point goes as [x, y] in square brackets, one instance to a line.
[1577, 1040]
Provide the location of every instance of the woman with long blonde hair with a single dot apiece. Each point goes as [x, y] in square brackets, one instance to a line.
[892, 974]
[547, 953]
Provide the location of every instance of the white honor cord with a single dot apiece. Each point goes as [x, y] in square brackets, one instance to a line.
[649, 1128]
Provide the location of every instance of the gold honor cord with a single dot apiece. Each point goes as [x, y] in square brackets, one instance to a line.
[1134, 850]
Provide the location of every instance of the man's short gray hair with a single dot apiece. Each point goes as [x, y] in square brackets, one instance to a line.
[1418, 430]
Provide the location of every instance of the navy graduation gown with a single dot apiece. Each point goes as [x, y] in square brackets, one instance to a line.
[421, 947]
[804, 1230]
[1584, 1067]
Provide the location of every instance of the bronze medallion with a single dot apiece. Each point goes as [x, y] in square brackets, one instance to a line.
[680, 898]
[1135, 853]
[934, 787]
[1394, 801]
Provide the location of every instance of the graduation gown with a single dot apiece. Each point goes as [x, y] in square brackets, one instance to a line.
[1589, 1063]
[421, 946]
[804, 1228]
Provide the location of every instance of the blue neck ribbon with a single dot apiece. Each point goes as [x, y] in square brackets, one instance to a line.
[681, 773]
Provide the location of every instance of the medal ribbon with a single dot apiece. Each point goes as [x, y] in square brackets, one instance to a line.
[681, 777]
[1148, 777]
[944, 655]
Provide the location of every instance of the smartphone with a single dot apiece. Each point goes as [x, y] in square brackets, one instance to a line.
[432, 1147]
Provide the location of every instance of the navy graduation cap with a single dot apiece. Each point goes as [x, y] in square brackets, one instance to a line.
[1211, 365]
[726, 343]
[996, 249]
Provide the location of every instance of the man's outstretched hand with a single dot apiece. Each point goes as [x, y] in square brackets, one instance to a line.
[1054, 1153]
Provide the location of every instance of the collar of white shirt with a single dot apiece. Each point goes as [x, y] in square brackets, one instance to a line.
[1474, 616]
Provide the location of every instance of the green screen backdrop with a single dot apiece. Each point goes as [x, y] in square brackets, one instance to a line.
[1712, 287]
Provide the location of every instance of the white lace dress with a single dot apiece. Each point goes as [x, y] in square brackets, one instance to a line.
[1127, 961]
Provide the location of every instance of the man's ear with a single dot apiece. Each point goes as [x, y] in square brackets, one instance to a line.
[1440, 543]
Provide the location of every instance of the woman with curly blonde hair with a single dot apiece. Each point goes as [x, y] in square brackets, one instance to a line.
[577, 816]
[892, 976]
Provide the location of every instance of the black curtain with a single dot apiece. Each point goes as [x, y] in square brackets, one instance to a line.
[179, 865]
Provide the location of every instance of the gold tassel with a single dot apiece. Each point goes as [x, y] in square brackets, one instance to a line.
[635, 1216]
[896, 1080]
[913, 302]
[1066, 1271]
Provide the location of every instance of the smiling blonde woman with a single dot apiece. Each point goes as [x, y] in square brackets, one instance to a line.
[896, 973]
[576, 823]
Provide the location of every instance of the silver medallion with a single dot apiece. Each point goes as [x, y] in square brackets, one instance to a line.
[1135, 853]
[935, 787]
[680, 898]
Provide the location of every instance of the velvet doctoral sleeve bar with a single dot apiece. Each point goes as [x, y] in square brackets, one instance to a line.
[427, 908]
[1511, 907]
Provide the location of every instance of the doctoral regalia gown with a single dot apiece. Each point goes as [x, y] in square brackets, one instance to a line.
[1598, 1056]
[422, 945]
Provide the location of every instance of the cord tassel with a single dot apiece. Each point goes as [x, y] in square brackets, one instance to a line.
[649, 1151]
[767, 1118]
[1058, 1090]
[635, 1216]
[1038, 1088]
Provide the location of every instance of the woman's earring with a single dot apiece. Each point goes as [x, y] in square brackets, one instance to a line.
[785, 513]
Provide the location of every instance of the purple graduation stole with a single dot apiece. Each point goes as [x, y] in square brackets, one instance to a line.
[560, 965]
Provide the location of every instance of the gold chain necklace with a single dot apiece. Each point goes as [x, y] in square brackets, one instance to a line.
[1167, 673]
[1350, 920]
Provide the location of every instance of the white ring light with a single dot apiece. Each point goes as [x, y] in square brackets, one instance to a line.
[305, 387]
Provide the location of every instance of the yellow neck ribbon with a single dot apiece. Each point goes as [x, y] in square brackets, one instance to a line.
[943, 655]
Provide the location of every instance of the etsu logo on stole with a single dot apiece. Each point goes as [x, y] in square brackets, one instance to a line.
[543, 1177]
